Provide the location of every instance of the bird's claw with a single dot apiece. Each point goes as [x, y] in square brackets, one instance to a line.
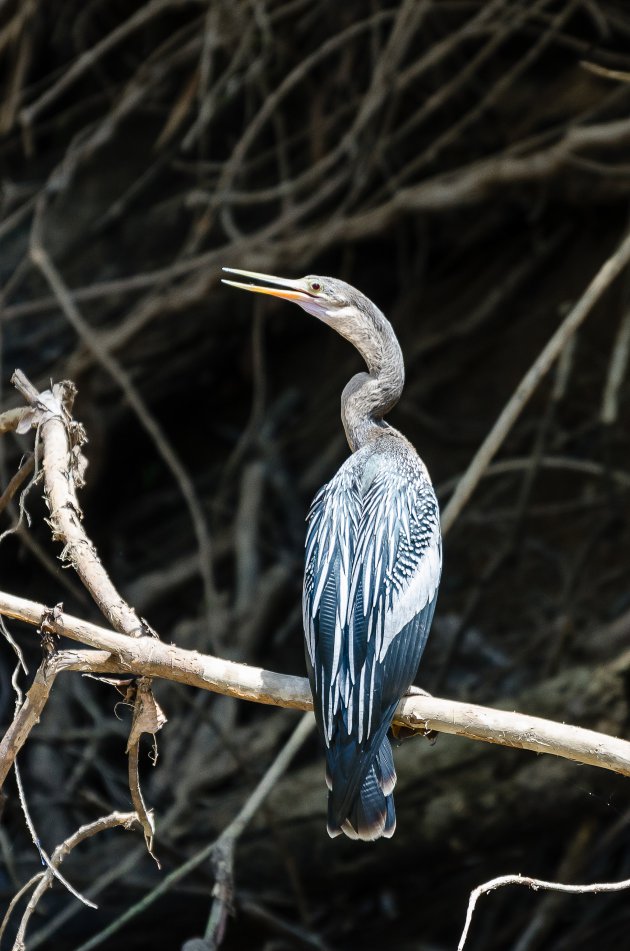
[414, 691]
[401, 733]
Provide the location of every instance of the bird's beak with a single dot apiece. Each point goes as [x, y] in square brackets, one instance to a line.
[280, 286]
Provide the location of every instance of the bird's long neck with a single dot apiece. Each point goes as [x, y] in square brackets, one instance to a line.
[369, 396]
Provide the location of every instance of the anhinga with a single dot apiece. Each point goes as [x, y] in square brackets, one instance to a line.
[373, 562]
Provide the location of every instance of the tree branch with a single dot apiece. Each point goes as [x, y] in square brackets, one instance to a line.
[153, 658]
[46, 879]
[611, 268]
[17, 481]
[62, 439]
[534, 883]
[11, 419]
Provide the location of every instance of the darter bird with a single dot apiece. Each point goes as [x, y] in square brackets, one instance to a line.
[373, 564]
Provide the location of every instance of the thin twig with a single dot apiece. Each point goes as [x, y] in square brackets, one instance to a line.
[511, 411]
[14, 901]
[125, 819]
[534, 883]
[17, 481]
[6, 633]
[36, 842]
[42, 259]
[584, 467]
[229, 835]
[620, 355]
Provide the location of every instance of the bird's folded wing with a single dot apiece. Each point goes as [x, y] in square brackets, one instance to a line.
[373, 562]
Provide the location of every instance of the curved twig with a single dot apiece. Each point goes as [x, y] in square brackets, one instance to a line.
[126, 819]
[535, 884]
[222, 846]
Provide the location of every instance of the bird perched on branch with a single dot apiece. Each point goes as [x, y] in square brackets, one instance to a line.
[373, 563]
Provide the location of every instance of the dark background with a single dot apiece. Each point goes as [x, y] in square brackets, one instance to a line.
[432, 154]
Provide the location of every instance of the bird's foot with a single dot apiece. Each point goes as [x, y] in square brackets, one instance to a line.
[414, 691]
[404, 733]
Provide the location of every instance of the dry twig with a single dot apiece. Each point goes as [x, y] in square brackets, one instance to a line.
[222, 849]
[45, 879]
[63, 473]
[613, 266]
[42, 259]
[535, 884]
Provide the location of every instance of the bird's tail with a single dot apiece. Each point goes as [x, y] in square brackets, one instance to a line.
[371, 813]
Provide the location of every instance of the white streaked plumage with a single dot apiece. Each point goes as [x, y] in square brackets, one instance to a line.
[376, 540]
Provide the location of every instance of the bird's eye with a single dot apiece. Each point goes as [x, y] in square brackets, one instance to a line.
[315, 286]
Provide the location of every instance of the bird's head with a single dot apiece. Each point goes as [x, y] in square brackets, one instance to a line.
[327, 298]
[356, 318]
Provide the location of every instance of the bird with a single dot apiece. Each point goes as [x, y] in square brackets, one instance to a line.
[372, 565]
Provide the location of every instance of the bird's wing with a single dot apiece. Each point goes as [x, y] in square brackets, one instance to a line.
[396, 572]
[373, 564]
[330, 544]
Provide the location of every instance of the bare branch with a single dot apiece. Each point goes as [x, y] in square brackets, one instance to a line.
[11, 419]
[63, 473]
[153, 658]
[511, 411]
[535, 884]
[223, 846]
[17, 481]
[125, 819]
[26, 718]
[29, 712]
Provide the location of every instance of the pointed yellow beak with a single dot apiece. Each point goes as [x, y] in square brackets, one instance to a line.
[279, 286]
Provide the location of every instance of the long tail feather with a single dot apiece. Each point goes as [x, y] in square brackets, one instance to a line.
[371, 814]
